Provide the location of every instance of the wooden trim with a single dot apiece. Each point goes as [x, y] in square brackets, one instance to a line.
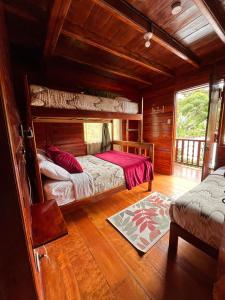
[177, 231]
[73, 120]
[221, 131]
[214, 14]
[141, 123]
[147, 147]
[129, 15]
[117, 52]
[70, 114]
[58, 14]
[74, 206]
[127, 132]
[31, 143]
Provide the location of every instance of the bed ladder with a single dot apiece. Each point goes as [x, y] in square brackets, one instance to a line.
[139, 128]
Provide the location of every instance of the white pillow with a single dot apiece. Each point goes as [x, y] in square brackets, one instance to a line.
[41, 156]
[53, 171]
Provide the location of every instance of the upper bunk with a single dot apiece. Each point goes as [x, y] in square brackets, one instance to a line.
[50, 105]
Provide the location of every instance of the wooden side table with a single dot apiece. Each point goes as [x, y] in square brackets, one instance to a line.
[47, 223]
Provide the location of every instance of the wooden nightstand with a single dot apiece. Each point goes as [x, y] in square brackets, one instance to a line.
[47, 223]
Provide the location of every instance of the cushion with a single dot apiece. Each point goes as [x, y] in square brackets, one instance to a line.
[53, 171]
[64, 159]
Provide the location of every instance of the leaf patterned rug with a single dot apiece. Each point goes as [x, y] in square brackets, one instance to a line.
[144, 222]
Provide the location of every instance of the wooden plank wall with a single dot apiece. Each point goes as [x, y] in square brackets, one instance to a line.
[68, 137]
[157, 130]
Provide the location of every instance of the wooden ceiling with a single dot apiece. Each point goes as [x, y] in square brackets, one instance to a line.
[107, 35]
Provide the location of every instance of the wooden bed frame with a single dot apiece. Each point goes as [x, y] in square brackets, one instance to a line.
[177, 231]
[59, 115]
[146, 149]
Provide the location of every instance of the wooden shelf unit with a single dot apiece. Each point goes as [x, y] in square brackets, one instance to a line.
[47, 223]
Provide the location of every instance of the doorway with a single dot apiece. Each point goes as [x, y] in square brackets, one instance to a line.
[191, 123]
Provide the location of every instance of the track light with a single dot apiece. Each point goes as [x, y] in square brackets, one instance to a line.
[147, 38]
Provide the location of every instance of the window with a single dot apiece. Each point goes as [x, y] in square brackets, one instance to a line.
[93, 131]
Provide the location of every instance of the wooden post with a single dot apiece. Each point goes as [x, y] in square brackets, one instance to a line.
[173, 241]
[112, 134]
[31, 145]
[150, 185]
[141, 125]
[127, 130]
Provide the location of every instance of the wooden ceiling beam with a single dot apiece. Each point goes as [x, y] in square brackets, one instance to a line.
[57, 16]
[22, 13]
[105, 69]
[129, 15]
[214, 14]
[99, 43]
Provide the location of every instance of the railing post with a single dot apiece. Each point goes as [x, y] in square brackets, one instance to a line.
[193, 151]
[199, 151]
[182, 151]
[187, 151]
[176, 155]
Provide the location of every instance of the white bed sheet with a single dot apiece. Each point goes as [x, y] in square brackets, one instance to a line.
[201, 210]
[105, 176]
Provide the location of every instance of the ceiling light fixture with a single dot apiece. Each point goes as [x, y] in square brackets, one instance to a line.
[176, 7]
[147, 38]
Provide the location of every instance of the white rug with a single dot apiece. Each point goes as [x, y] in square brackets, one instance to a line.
[144, 222]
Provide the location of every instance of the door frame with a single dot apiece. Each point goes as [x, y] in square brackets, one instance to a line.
[175, 115]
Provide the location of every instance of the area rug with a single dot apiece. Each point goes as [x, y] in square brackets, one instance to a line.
[144, 222]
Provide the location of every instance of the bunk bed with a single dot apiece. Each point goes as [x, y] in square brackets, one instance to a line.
[103, 177]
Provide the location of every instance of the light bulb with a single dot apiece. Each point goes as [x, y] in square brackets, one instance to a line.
[176, 8]
[147, 44]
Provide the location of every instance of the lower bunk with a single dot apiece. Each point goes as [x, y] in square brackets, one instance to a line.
[103, 175]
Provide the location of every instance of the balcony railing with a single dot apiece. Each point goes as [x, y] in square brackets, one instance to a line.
[190, 152]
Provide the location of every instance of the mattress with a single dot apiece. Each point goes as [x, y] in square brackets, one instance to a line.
[201, 210]
[45, 97]
[105, 176]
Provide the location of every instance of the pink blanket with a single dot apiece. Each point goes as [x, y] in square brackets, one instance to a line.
[137, 169]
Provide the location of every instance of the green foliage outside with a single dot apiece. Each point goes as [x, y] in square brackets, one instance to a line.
[192, 112]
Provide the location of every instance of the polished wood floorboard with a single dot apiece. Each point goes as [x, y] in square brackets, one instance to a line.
[95, 262]
[187, 172]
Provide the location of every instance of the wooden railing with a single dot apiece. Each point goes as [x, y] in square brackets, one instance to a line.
[145, 149]
[190, 152]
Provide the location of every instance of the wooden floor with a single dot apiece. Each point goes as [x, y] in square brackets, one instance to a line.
[95, 262]
[187, 172]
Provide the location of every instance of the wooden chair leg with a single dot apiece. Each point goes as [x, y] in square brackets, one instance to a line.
[173, 240]
[150, 185]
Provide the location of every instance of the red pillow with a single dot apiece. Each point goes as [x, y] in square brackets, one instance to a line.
[64, 159]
